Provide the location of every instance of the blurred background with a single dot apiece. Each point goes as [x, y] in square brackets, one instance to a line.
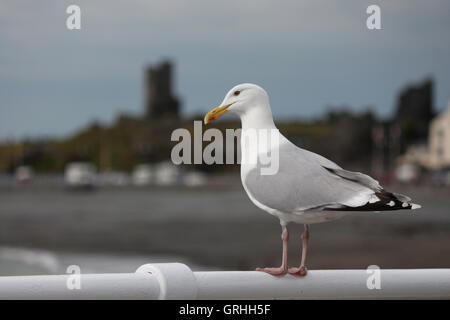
[86, 117]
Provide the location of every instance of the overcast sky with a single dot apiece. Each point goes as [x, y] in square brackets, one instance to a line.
[308, 55]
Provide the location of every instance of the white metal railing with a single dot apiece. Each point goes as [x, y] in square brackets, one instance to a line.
[177, 281]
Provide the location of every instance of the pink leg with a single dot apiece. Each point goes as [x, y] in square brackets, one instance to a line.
[301, 271]
[283, 269]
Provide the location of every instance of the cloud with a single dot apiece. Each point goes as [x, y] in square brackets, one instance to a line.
[321, 49]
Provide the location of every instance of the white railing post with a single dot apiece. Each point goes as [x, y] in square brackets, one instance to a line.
[93, 286]
[177, 281]
[325, 284]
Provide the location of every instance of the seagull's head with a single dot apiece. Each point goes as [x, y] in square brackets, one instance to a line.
[240, 100]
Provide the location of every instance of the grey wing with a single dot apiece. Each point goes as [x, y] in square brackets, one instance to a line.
[359, 177]
[387, 200]
[307, 181]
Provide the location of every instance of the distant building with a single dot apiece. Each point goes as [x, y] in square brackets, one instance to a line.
[407, 131]
[414, 112]
[160, 101]
[417, 155]
[439, 140]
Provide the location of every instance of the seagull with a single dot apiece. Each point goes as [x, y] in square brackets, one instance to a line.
[305, 188]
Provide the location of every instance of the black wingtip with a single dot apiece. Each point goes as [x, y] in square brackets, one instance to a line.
[388, 201]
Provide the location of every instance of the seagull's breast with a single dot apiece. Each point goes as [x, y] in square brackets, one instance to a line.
[257, 150]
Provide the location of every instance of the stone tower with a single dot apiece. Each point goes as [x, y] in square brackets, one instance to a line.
[159, 99]
[415, 111]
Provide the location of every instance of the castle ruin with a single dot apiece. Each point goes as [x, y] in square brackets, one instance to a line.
[160, 101]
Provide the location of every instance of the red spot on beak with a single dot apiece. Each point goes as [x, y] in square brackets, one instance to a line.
[212, 118]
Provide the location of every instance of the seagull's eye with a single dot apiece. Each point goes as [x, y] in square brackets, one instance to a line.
[236, 93]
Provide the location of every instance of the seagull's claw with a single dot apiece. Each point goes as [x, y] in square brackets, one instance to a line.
[273, 271]
[301, 271]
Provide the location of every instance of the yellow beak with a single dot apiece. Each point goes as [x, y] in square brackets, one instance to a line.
[216, 113]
